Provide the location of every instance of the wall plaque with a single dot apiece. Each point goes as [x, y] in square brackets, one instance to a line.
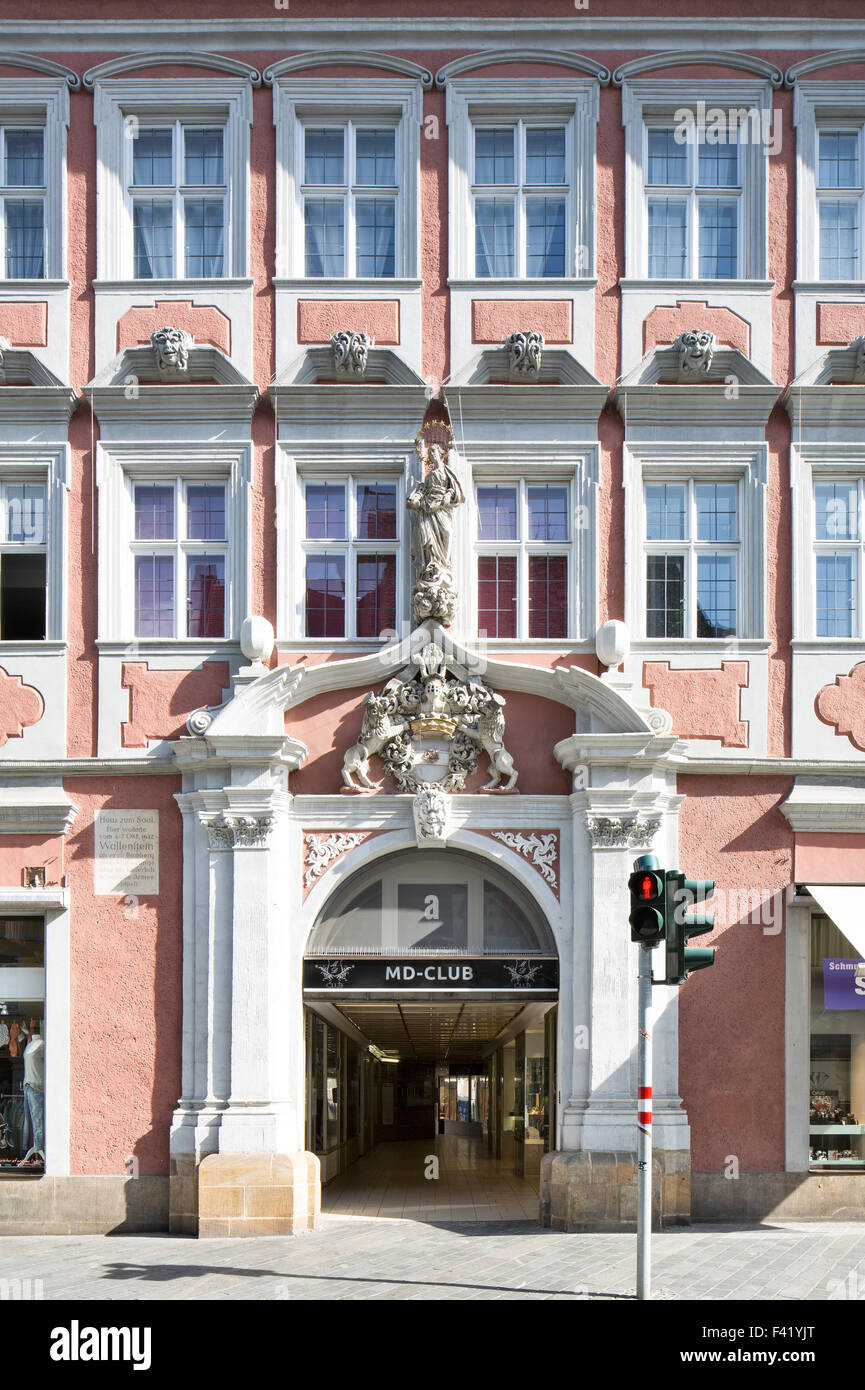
[126, 852]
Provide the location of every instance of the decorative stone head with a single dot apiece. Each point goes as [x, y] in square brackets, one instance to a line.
[350, 352]
[431, 811]
[696, 349]
[171, 346]
[525, 352]
[857, 347]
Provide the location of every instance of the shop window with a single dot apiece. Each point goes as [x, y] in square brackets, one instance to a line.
[22, 1044]
[837, 1071]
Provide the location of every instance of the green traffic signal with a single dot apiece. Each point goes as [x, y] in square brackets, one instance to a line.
[647, 889]
[681, 894]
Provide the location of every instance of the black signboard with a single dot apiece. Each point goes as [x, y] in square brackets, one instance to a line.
[504, 974]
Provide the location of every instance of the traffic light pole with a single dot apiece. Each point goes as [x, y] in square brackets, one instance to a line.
[644, 1129]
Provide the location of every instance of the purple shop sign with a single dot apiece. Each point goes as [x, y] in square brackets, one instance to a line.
[844, 984]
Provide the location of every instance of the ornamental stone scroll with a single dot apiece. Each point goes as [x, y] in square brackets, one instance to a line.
[232, 831]
[622, 832]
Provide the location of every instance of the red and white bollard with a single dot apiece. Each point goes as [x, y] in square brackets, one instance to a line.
[644, 1129]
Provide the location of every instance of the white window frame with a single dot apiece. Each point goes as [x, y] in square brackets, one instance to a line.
[180, 547]
[572, 102]
[692, 194]
[119, 468]
[523, 548]
[811, 464]
[351, 546]
[651, 104]
[672, 463]
[350, 191]
[520, 191]
[31, 103]
[823, 106]
[177, 194]
[50, 468]
[317, 102]
[122, 106]
[692, 549]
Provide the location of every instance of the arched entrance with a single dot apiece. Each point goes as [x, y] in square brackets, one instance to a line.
[430, 987]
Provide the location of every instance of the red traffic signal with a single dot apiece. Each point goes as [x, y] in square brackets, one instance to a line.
[647, 888]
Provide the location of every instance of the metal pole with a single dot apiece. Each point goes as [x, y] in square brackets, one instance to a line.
[644, 1130]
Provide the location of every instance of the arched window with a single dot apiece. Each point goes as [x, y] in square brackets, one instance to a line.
[431, 901]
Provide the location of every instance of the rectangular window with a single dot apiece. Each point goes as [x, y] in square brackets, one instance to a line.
[840, 193]
[23, 562]
[177, 191]
[351, 560]
[521, 229]
[836, 1118]
[838, 532]
[693, 554]
[692, 231]
[349, 230]
[22, 1045]
[523, 559]
[22, 202]
[180, 551]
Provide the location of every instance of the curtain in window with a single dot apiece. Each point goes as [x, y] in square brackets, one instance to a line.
[25, 239]
[152, 232]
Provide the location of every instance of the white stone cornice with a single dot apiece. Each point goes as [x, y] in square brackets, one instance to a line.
[130, 61]
[825, 806]
[354, 57]
[717, 57]
[44, 810]
[518, 54]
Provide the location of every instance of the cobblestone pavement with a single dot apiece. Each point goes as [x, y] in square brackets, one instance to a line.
[356, 1258]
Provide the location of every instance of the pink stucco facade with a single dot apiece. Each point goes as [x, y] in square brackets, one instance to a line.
[751, 713]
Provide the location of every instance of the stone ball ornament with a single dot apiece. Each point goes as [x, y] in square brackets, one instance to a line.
[612, 643]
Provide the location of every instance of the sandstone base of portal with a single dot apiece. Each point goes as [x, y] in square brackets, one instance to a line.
[253, 1195]
[594, 1191]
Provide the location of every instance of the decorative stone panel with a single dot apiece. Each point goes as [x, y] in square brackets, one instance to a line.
[540, 848]
[664, 324]
[322, 848]
[25, 323]
[20, 706]
[621, 832]
[493, 320]
[839, 324]
[703, 703]
[160, 702]
[319, 319]
[842, 705]
[203, 322]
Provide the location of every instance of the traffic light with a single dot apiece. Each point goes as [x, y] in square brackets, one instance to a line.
[646, 885]
[682, 893]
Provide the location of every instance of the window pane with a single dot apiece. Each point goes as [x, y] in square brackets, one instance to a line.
[325, 511]
[376, 594]
[448, 931]
[205, 244]
[668, 159]
[548, 595]
[716, 512]
[497, 514]
[22, 597]
[836, 595]
[154, 512]
[25, 239]
[494, 156]
[205, 595]
[719, 237]
[665, 512]
[497, 595]
[324, 156]
[25, 158]
[152, 234]
[839, 240]
[839, 159]
[154, 596]
[835, 508]
[376, 511]
[494, 237]
[545, 236]
[325, 595]
[545, 155]
[205, 512]
[716, 595]
[376, 157]
[666, 238]
[203, 158]
[665, 596]
[548, 513]
[25, 513]
[22, 946]
[718, 166]
[324, 237]
[152, 164]
[375, 237]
